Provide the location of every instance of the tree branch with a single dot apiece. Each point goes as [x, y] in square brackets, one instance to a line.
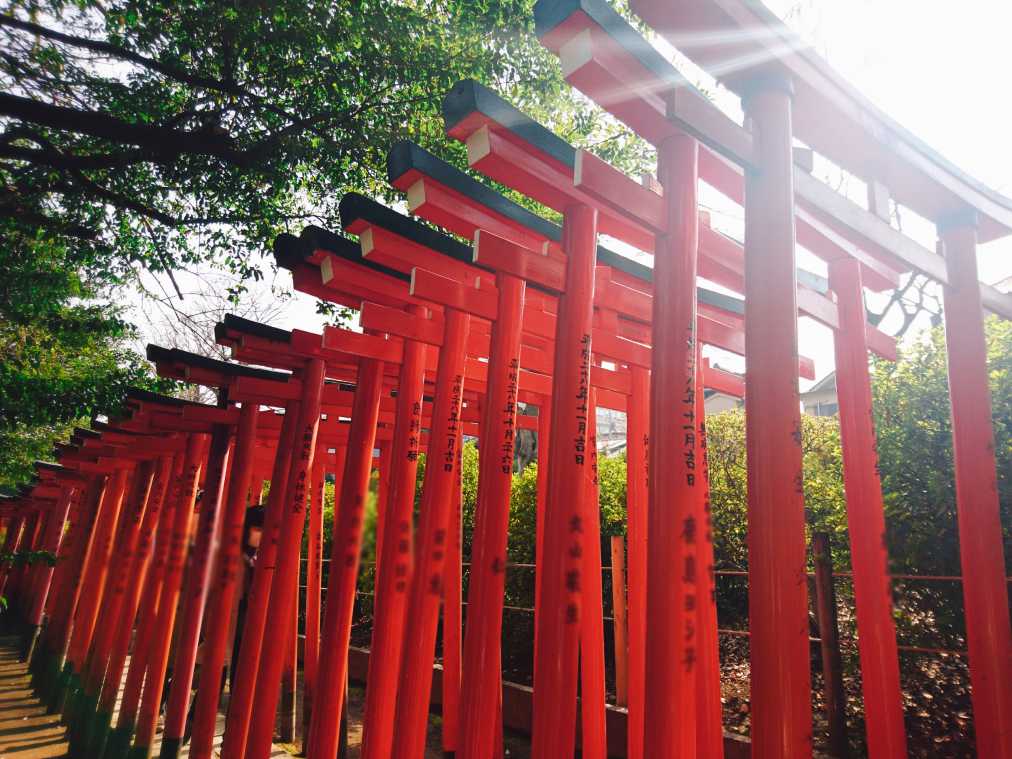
[25, 215]
[158, 139]
[58, 160]
[107, 48]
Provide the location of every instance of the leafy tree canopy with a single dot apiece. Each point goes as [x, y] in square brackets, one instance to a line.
[915, 449]
[164, 133]
[147, 134]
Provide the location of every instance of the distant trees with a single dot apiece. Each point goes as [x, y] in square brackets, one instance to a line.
[64, 350]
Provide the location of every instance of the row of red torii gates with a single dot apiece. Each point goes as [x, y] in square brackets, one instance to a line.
[453, 338]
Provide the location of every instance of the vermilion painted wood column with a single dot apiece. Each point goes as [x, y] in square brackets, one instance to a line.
[880, 670]
[442, 475]
[194, 599]
[68, 541]
[346, 544]
[593, 732]
[482, 672]
[383, 464]
[395, 559]
[226, 583]
[51, 543]
[69, 548]
[286, 714]
[118, 742]
[283, 591]
[637, 456]
[556, 657]
[709, 710]
[139, 569]
[134, 508]
[70, 594]
[168, 604]
[669, 720]
[240, 705]
[314, 576]
[37, 570]
[544, 437]
[93, 584]
[38, 543]
[256, 491]
[97, 570]
[20, 576]
[778, 589]
[12, 538]
[453, 615]
[41, 666]
[68, 545]
[985, 593]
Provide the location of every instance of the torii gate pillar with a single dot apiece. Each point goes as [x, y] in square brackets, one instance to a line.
[778, 593]
[985, 596]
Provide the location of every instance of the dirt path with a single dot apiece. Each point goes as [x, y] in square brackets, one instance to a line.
[27, 732]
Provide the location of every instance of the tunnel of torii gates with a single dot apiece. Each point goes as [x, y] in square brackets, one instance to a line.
[456, 340]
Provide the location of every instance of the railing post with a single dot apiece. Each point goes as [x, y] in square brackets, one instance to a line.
[618, 606]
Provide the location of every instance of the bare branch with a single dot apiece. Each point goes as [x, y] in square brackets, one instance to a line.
[107, 48]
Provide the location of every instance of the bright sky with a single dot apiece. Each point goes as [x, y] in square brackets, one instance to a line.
[932, 65]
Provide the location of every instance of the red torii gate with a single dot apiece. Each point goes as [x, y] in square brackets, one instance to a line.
[344, 274]
[515, 150]
[603, 56]
[371, 245]
[557, 317]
